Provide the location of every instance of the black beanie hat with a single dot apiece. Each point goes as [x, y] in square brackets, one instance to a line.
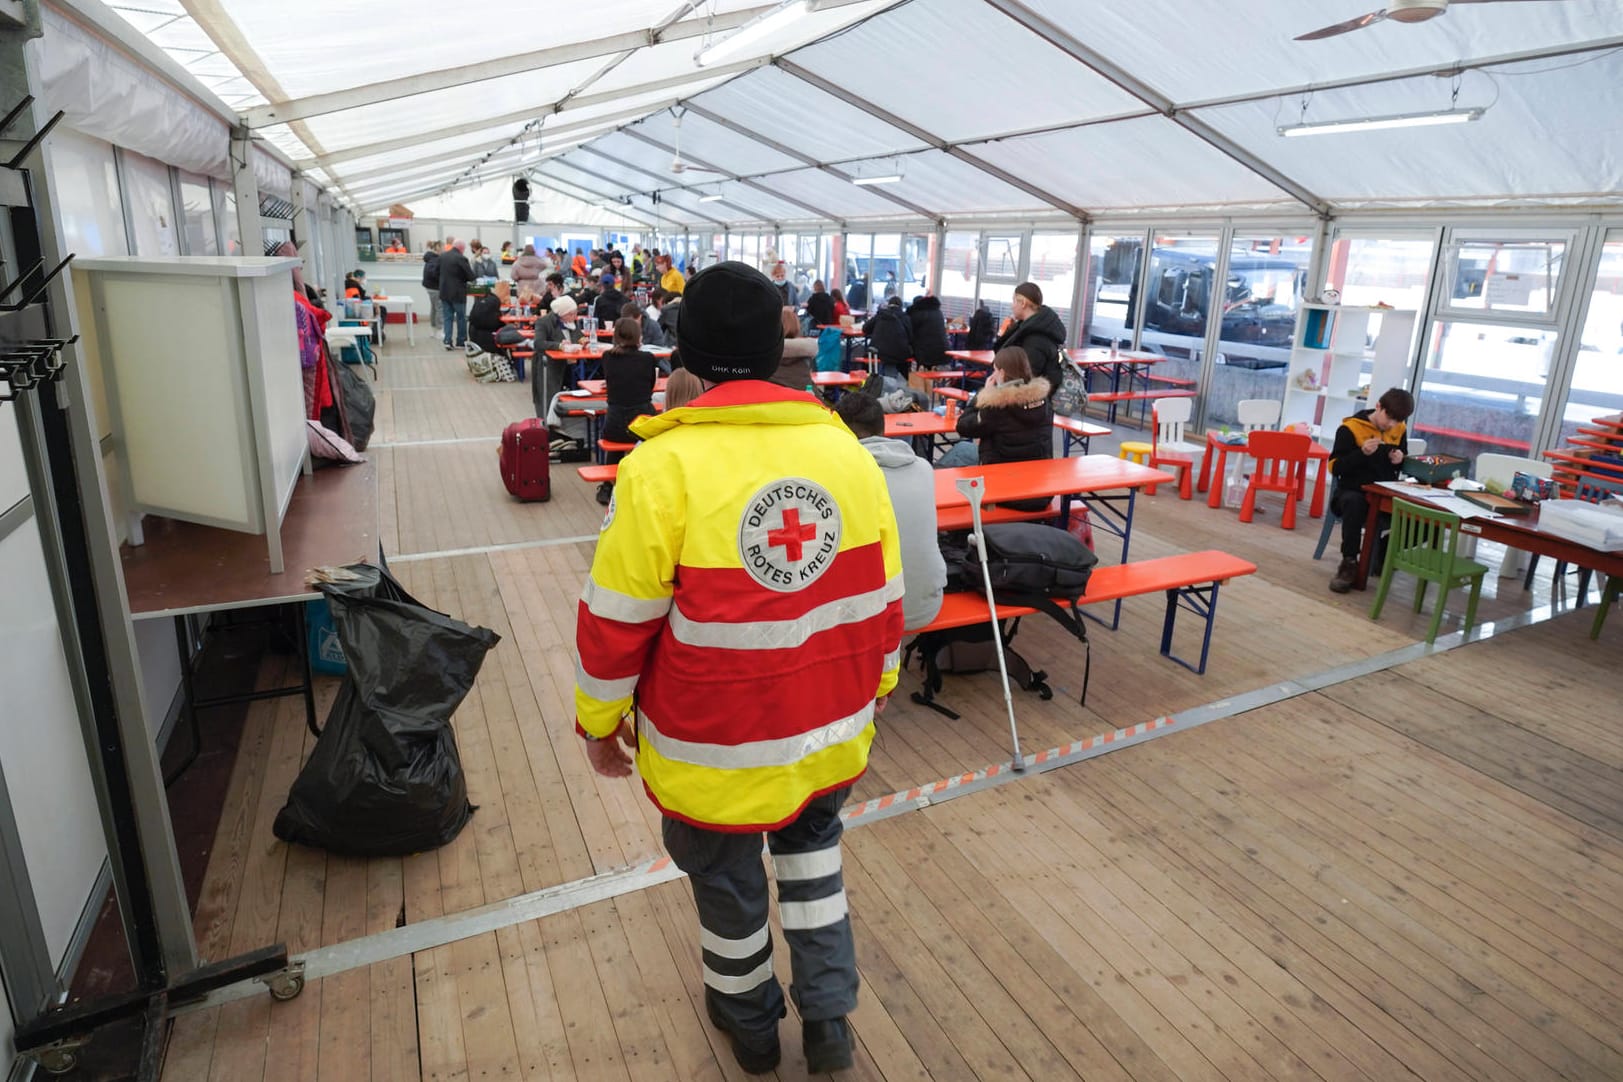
[731, 325]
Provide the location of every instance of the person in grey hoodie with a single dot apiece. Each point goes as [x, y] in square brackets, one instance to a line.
[911, 482]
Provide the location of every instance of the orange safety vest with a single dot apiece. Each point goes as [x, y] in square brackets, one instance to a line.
[746, 599]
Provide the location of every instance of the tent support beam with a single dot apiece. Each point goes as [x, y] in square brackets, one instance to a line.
[791, 152]
[409, 142]
[655, 176]
[752, 184]
[459, 159]
[1096, 62]
[392, 89]
[837, 91]
[538, 182]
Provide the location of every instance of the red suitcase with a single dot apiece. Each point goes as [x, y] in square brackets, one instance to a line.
[526, 469]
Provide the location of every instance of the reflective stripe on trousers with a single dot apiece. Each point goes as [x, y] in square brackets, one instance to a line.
[730, 891]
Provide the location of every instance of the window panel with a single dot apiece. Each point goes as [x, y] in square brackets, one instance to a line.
[1112, 289]
[1597, 377]
[1267, 276]
[1053, 269]
[87, 194]
[960, 272]
[1504, 276]
[152, 209]
[197, 215]
[1482, 388]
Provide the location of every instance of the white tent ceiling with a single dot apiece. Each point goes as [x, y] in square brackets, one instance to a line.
[984, 107]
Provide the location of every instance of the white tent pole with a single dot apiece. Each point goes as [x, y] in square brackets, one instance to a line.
[424, 139]
[244, 185]
[1095, 61]
[791, 152]
[837, 91]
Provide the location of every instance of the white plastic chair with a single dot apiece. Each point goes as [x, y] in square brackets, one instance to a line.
[1498, 471]
[1255, 413]
[1169, 447]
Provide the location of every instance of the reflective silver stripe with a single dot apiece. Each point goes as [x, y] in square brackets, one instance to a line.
[894, 589]
[779, 634]
[804, 916]
[893, 660]
[799, 867]
[606, 691]
[735, 948]
[737, 986]
[613, 605]
[780, 752]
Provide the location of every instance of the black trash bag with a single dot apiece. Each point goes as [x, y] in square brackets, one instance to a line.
[385, 778]
[359, 404]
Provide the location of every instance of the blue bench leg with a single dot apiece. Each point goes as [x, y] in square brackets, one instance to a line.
[1200, 600]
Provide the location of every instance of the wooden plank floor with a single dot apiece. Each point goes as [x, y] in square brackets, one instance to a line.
[1415, 872]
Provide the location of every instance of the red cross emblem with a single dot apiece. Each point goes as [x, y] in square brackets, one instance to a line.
[793, 536]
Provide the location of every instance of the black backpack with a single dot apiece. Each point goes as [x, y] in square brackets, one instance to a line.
[1029, 564]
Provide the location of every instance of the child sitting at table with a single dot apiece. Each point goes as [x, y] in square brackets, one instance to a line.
[1370, 447]
[629, 373]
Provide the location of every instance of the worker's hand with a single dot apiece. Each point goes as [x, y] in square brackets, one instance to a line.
[1370, 446]
[879, 705]
[607, 756]
[1396, 456]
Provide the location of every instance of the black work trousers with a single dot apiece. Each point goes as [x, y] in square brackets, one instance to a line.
[730, 889]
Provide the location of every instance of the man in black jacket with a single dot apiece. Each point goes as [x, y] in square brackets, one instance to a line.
[456, 275]
[431, 279]
[1038, 331]
[609, 302]
[929, 328]
[890, 338]
[820, 306]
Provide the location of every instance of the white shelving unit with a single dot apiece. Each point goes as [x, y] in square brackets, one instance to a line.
[199, 359]
[1334, 343]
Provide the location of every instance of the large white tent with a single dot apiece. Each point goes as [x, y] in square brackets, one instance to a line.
[1028, 107]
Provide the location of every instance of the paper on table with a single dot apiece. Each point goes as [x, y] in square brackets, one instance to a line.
[1456, 505]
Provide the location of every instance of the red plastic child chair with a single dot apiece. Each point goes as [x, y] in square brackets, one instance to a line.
[1281, 466]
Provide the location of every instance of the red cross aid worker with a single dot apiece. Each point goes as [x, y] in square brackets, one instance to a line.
[740, 629]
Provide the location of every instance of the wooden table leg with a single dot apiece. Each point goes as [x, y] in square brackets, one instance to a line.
[1366, 550]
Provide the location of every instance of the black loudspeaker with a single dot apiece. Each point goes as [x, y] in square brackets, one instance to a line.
[521, 190]
[521, 212]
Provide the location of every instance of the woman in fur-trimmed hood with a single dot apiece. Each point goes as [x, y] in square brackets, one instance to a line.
[1011, 415]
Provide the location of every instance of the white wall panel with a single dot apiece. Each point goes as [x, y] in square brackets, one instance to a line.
[41, 746]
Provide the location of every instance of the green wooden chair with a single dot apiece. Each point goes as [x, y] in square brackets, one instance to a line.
[1613, 592]
[1425, 543]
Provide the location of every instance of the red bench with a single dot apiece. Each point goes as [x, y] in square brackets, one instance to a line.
[1189, 580]
[1113, 397]
[1170, 381]
[1076, 430]
[1471, 437]
[597, 474]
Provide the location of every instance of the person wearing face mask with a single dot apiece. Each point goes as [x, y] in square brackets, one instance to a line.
[1039, 331]
[786, 288]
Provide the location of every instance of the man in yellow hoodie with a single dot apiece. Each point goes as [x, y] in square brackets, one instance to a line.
[740, 629]
[1370, 446]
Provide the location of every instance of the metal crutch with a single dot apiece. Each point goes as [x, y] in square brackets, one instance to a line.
[973, 489]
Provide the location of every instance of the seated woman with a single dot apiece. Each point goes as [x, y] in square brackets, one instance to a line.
[355, 290]
[629, 373]
[1010, 416]
[799, 354]
[485, 318]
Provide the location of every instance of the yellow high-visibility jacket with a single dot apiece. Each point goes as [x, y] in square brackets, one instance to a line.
[746, 596]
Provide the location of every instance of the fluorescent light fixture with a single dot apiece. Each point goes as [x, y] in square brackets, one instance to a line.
[1376, 123]
[882, 178]
[751, 32]
[709, 198]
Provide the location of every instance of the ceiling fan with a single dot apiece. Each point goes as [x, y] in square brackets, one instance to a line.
[1403, 11]
[678, 166]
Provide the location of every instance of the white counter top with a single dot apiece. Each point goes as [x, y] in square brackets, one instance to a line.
[207, 266]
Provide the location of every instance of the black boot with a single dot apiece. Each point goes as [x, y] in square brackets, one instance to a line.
[828, 1045]
[757, 1053]
[1346, 575]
